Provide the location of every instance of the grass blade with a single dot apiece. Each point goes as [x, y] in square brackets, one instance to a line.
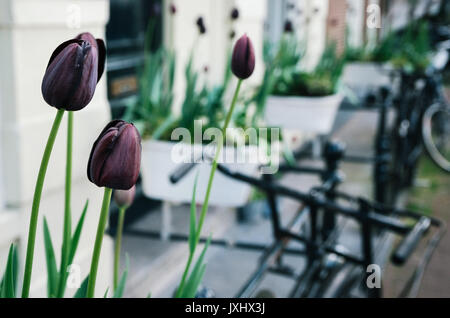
[8, 281]
[118, 293]
[196, 275]
[81, 292]
[52, 271]
[77, 233]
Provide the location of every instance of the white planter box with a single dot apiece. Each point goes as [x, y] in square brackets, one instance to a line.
[306, 114]
[365, 75]
[161, 158]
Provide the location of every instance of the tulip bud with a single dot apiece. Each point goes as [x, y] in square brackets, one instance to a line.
[124, 198]
[116, 156]
[234, 14]
[99, 44]
[173, 9]
[288, 28]
[73, 72]
[201, 25]
[243, 59]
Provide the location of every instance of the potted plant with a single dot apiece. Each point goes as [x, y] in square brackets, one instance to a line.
[365, 67]
[201, 110]
[413, 54]
[304, 100]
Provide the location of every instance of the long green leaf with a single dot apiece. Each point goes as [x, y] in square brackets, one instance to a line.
[77, 233]
[52, 270]
[118, 293]
[193, 219]
[8, 281]
[81, 292]
[196, 276]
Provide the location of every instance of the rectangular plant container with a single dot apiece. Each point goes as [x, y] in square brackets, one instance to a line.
[307, 114]
[161, 158]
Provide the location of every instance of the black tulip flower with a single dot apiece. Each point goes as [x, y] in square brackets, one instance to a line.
[288, 28]
[124, 198]
[73, 71]
[243, 59]
[234, 14]
[116, 156]
[99, 44]
[201, 25]
[173, 9]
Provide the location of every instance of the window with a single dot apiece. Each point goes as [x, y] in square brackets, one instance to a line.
[125, 34]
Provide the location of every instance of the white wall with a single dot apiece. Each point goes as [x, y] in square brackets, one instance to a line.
[309, 25]
[355, 22]
[211, 49]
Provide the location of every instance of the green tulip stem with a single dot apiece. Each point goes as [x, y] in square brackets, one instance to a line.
[118, 244]
[214, 164]
[98, 242]
[67, 231]
[36, 203]
[209, 187]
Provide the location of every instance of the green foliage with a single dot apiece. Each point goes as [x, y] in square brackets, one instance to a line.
[414, 47]
[53, 275]
[52, 271]
[153, 106]
[196, 276]
[82, 291]
[322, 81]
[205, 104]
[189, 289]
[118, 293]
[8, 283]
[380, 53]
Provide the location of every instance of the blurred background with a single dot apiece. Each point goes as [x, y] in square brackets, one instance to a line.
[357, 31]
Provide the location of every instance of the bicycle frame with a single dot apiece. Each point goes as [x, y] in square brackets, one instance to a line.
[322, 209]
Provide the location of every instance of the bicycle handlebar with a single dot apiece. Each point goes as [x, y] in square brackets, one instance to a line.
[181, 171]
[412, 235]
[409, 243]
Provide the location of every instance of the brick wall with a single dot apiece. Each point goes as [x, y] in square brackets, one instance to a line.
[336, 23]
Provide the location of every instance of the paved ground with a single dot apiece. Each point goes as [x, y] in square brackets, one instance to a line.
[156, 266]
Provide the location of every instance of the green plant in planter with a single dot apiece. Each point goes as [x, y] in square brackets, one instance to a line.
[151, 111]
[414, 47]
[281, 62]
[322, 81]
[379, 53]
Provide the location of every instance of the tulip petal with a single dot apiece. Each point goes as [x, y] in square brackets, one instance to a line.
[61, 47]
[101, 58]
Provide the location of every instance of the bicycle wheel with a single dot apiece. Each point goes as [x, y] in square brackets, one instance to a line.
[436, 134]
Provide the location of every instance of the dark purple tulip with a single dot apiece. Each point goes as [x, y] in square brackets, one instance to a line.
[173, 9]
[115, 158]
[124, 198]
[288, 28]
[72, 73]
[243, 59]
[99, 44]
[234, 14]
[201, 25]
